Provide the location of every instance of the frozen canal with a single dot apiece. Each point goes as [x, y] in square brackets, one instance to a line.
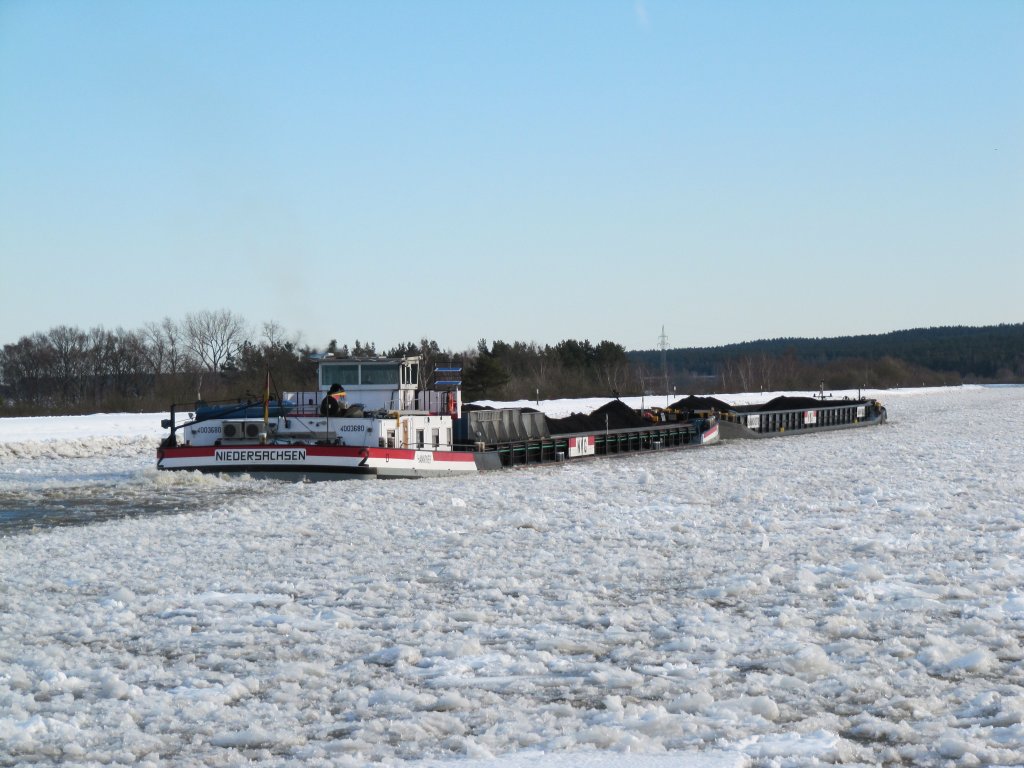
[852, 598]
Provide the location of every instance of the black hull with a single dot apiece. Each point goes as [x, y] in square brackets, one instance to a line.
[732, 431]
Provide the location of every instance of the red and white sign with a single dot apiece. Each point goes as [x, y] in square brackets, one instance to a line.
[581, 446]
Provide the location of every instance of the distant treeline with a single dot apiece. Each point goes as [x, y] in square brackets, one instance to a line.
[218, 355]
[929, 356]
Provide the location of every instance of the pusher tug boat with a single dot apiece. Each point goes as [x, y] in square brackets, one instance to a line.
[371, 418]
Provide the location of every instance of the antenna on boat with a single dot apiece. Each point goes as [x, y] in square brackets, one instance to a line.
[663, 344]
[266, 410]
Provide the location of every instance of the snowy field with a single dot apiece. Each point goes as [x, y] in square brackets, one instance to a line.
[850, 598]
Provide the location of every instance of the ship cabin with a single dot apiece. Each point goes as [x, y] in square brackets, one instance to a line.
[380, 384]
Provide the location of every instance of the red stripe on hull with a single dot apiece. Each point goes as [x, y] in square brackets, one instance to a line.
[325, 451]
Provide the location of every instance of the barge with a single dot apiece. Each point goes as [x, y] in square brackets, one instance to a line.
[370, 418]
[787, 415]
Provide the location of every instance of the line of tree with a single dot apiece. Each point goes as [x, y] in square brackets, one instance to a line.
[571, 368]
[928, 356]
[216, 355]
[206, 355]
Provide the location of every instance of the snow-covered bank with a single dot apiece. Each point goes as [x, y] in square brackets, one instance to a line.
[845, 598]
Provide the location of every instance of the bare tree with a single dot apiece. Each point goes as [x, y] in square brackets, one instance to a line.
[71, 367]
[274, 334]
[213, 338]
[27, 368]
[164, 346]
[768, 366]
[749, 373]
[124, 369]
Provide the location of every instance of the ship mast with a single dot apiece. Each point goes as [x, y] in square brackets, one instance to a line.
[663, 345]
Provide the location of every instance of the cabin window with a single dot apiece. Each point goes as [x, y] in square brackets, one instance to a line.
[419, 438]
[391, 438]
[436, 437]
[345, 374]
[411, 374]
[380, 374]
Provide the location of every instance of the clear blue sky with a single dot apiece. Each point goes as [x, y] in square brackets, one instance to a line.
[528, 171]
